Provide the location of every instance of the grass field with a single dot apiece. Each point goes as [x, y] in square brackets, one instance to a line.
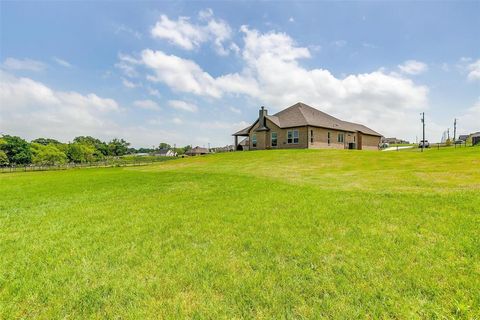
[265, 234]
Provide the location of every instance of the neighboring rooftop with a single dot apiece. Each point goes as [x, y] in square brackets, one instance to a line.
[197, 150]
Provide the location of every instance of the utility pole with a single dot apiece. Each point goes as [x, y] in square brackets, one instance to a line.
[454, 130]
[423, 130]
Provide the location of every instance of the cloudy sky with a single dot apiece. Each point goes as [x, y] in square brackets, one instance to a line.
[194, 72]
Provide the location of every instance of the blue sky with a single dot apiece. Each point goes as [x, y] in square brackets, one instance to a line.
[194, 72]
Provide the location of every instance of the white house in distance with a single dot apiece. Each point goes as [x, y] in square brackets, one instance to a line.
[165, 153]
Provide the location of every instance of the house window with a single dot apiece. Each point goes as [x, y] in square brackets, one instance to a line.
[292, 136]
[254, 141]
[328, 137]
[340, 137]
[353, 138]
[274, 139]
[311, 136]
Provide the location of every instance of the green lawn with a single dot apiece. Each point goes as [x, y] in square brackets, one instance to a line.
[265, 234]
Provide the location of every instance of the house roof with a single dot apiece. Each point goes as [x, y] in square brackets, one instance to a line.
[196, 150]
[163, 151]
[301, 114]
[244, 142]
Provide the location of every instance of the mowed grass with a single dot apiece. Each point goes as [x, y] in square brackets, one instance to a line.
[264, 234]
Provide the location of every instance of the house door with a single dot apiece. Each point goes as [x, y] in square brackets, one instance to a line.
[359, 141]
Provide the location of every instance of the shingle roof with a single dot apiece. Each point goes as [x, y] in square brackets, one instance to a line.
[197, 150]
[301, 114]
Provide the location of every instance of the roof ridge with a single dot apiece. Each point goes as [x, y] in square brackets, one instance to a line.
[306, 106]
[303, 105]
[288, 108]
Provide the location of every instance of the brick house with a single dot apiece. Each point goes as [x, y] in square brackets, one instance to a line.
[301, 126]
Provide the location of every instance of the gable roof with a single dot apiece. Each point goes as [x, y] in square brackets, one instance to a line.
[301, 114]
[164, 152]
[197, 150]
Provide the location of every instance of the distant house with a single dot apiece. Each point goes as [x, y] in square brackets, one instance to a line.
[463, 137]
[301, 126]
[395, 141]
[475, 138]
[243, 145]
[197, 151]
[226, 148]
[165, 153]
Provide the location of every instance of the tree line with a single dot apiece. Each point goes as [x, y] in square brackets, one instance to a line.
[45, 151]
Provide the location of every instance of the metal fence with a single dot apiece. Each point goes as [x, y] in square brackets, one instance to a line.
[97, 164]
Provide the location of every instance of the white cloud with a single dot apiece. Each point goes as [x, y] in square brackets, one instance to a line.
[468, 122]
[413, 67]
[23, 64]
[177, 121]
[62, 62]
[129, 84]
[179, 74]
[153, 92]
[235, 110]
[181, 32]
[124, 29]
[189, 36]
[147, 104]
[32, 109]
[182, 105]
[291, 19]
[278, 46]
[474, 71]
[369, 45]
[127, 65]
[272, 75]
[339, 43]
[205, 14]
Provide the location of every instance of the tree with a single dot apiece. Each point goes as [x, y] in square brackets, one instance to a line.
[3, 158]
[469, 140]
[17, 150]
[100, 146]
[47, 155]
[46, 141]
[164, 145]
[78, 152]
[118, 147]
[145, 150]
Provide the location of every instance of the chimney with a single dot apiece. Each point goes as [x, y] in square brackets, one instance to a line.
[261, 119]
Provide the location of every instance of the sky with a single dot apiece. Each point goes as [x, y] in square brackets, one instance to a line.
[195, 72]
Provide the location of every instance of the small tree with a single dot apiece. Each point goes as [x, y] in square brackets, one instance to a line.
[469, 141]
[17, 150]
[47, 155]
[78, 152]
[164, 145]
[118, 147]
[100, 146]
[3, 158]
